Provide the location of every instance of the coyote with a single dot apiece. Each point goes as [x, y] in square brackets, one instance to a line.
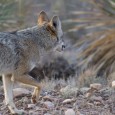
[20, 51]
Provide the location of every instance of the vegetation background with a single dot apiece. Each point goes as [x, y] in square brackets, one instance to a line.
[88, 27]
[89, 32]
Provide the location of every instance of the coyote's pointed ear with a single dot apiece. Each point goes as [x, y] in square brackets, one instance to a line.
[42, 18]
[56, 23]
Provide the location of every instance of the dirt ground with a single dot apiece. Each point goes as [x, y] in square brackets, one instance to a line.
[57, 102]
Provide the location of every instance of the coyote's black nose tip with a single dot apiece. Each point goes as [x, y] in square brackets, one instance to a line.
[63, 47]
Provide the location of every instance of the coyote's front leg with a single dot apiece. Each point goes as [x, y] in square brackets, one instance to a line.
[8, 90]
[27, 79]
[36, 94]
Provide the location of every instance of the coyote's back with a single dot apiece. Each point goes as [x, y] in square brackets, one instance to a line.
[8, 52]
[20, 51]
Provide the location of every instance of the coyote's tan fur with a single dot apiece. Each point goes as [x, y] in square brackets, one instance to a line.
[20, 51]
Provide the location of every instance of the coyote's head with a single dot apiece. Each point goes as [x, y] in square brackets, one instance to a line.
[52, 32]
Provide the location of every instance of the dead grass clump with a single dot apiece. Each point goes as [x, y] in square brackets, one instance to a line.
[88, 77]
[53, 84]
[101, 54]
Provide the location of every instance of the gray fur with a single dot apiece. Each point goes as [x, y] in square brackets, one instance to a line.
[20, 51]
[22, 44]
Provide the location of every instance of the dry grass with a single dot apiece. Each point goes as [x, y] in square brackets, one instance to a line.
[86, 78]
[83, 80]
[52, 84]
[101, 54]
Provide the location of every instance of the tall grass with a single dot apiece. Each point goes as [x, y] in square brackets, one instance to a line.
[100, 51]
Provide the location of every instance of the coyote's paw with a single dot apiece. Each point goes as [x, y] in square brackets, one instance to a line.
[14, 110]
[34, 99]
[35, 96]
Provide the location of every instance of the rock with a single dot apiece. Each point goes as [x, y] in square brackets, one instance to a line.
[31, 105]
[106, 106]
[106, 92]
[48, 98]
[84, 90]
[70, 112]
[68, 101]
[88, 95]
[96, 86]
[96, 98]
[69, 90]
[113, 84]
[97, 103]
[47, 114]
[20, 91]
[48, 105]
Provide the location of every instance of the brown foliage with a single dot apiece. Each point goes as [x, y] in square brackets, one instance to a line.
[101, 54]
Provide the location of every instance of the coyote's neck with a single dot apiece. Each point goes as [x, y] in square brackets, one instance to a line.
[34, 34]
[35, 40]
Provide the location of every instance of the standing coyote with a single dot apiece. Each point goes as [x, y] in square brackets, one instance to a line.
[20, 51]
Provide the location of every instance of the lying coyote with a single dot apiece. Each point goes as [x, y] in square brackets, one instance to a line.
[20, 51]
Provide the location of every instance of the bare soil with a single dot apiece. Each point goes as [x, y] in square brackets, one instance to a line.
[102, 102]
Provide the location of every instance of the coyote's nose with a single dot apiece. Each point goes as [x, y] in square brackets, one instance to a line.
[60, 47]
[63, 47]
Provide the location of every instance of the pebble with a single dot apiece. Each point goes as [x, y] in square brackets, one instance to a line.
[48, 105]
[96, 98]
[69, 112]
[68, 101]
[113, 84]
[31, 105]
[96, 86]
[20, 91]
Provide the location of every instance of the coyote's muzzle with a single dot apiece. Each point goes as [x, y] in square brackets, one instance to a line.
[60, 46]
